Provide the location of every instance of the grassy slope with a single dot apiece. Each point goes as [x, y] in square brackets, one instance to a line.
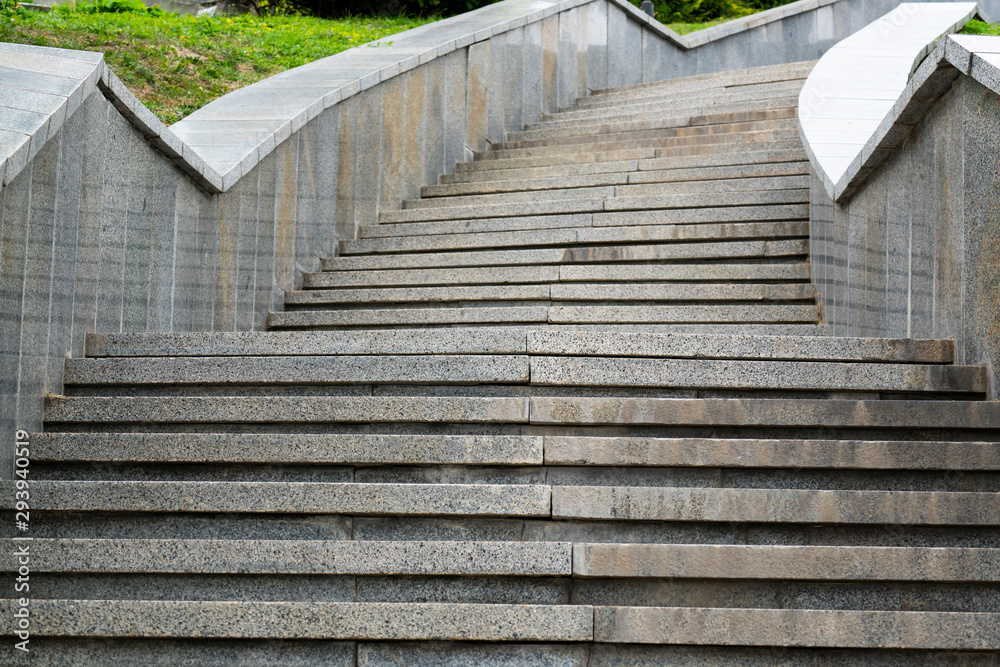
[177, 64]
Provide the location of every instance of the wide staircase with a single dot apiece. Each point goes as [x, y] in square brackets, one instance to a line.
[574, 406]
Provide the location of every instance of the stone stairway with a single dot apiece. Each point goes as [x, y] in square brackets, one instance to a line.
[574, 406]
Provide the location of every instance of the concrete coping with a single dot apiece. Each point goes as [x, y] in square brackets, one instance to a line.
[51, 84]
[869, 91]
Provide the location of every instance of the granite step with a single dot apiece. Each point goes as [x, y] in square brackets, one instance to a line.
[694, 626]
[308, 620]
[812, 506]
[771, 453]
[330, 557]
[716, 81]
[293, 497]
[535, 559]
[605, 371]
[648, 187]
[535, 207]
[617, 371]
[574, 315]
[660, 140]
[715, 175]
[798, 628]
[653, 129]
[285, 343]
[501, 341]
[742, 271]
[322, 370]
[288, 410]
[771, 247]
[467, 172]
[716, 561]
[733, 79]
[579, 228]
[519, 450]
[673, 111]
[410, 317]
[291, 448]
[549, 294]
[734, 154]
[684, 105]
[890, 415]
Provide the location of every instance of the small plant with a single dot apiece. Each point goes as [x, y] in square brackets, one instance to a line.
[107, 7]
[976, 27]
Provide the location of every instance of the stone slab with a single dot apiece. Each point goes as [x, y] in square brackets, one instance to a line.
[450, 276]
[409, 316]
[704, 215]
[309, 620]
[279, 409]
[402, 369]
[683, 272]
[541, 207]
[756, 374]
[300, 557]
[455, 228]
[478, 341]
[828, 413]
[292, 497]
[680, 292]
[796, 627]
[715, 561]
[771, 453]
[631, 314]
[900, 350]
[419, 295]
[289, 448]
[931, 508]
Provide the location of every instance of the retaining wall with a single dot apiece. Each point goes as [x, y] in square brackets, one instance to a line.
[907, 244]
[110, 221]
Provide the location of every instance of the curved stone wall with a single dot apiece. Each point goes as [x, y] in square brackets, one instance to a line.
[906, 242]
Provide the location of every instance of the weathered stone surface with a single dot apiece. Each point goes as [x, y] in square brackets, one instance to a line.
[680, 292]
[390, 277]
[795, 627]
[733, 347]
[289, 448]
[602, 254]
[765, 412]
[775, 505]
[458, 655]
[296, 497]
[859, 454]
[704, 215]
[409, 316]
[785, 562]
[753, 374]
[284, 409]
[685, 272]
[419, 295]
[298, 370]
[478, 341]
[301, 557]
[708, 313]
[285, 620]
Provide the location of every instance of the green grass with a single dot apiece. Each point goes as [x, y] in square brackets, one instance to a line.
[176, 63]
[685, 28]
[980, 28]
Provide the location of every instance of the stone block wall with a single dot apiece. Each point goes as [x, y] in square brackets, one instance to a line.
[915, 252]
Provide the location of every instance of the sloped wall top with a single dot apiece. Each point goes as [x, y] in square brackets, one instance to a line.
[854, 87]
